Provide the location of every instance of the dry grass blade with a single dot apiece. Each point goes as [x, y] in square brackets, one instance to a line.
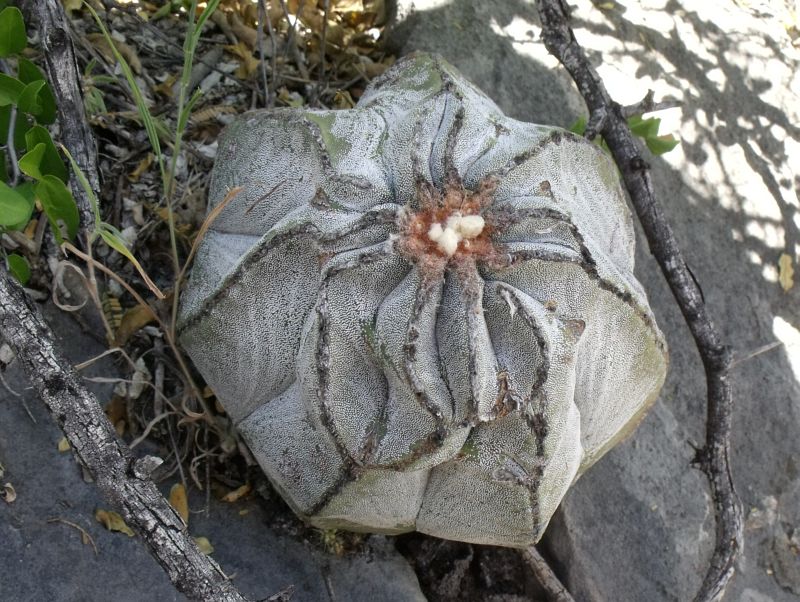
[206, 414]
[85, 537]
[210, 218]
[69, 247]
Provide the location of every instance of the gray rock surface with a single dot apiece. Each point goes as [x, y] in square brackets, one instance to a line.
[46, 561]
[638, 526]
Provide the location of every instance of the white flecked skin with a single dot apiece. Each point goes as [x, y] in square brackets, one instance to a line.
[377, 397]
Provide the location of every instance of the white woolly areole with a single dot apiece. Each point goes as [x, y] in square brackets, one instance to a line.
[457, 228]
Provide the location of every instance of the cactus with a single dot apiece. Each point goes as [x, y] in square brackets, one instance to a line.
[420, 313]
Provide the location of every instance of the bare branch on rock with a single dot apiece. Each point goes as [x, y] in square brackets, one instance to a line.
[713, 457]
[123, 479]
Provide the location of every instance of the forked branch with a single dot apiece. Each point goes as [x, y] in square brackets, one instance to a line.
[713, 457]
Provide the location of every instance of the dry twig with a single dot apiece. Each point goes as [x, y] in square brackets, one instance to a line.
[608, 119]
[87, 539]
[555, 591]
[123, 479]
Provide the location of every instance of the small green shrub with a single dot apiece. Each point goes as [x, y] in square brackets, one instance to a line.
[31, 168]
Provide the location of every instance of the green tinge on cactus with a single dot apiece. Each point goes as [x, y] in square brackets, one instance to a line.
[420, 313]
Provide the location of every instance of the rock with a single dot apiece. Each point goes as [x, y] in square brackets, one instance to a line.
[492, 43]
[638, 525]
[43, 560]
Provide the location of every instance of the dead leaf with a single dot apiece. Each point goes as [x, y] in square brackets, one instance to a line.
[139, 379]
[132, 321]
[182, 229]
[167, 87]
[379, 8]
[311, 16]
[63, 445]
[248, 64]
[9, 494]
[237, 493]
[347, 6]
[292, 99]
[343, 100]
[210, 113]
[112, 521]
[370, 68]
[117, 411]
[246, 34]
[98, 40]
[142, 167]
[179, 501]
[30, 229]
[204, 545]
[7, 355]
[785, 272]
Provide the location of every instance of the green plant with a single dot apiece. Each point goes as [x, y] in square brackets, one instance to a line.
[30, 167]
[93, 97]
[186, 103]
[27, 105]
[646, 129]
[173, 6]
[39, 181]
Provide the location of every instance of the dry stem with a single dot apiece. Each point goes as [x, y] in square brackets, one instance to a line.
[713, 457]
[123, 479]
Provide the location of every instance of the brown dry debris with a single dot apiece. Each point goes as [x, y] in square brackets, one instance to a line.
[318, 53]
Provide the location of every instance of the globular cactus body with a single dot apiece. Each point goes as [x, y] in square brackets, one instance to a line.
[420, 313]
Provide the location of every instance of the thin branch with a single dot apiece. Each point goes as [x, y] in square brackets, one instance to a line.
[94, 293]
[555, 591]
[757, 352]
[291, 40]
[84, 534]
[648, 105]
[58, 57]
[274, 61]
[713, 457]
[323, 76]
[123, 479]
